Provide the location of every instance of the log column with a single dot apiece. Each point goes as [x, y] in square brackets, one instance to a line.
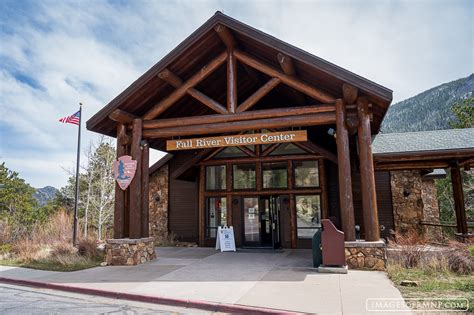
[135, 202]
[344, 169]
[367, 177]
[145, 181]
[119, 212]
[458, 194]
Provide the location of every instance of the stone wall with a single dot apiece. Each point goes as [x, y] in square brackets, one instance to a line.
[366, 255]
[406, 200]
[429, 194]
[158, 206]
[120, 252]
[414, 200]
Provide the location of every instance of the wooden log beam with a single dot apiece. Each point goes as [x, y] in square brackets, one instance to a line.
[135, 201]
[367, 176]
[182, 90]
[256, 114]
[280, 122]
[145, 188]
[190, 163]
[258, 95]
[458, 194]
[231, 81]
[270, 149]
[247, 151]
[324, 189]
[286, 79]
[225, 35]
[349, 93]
[272, 158]
[288, 67]
[344, 173]
[416, 165]
[119, 206]
[322, 151]
[286, 64]
[122, 116]
[174, 80]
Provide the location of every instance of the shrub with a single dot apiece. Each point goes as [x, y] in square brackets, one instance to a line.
[27, 250]
[411, 247]
[62, 249]
[87, 247]
[460, 259]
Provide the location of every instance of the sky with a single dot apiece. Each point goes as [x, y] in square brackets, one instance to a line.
[55, 54]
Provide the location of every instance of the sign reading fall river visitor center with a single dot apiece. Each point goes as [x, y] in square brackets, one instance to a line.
[124, 170]
[237, 140]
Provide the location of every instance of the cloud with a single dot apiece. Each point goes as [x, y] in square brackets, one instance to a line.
[54, 54]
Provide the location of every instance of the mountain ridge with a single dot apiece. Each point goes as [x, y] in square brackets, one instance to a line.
[428, 110]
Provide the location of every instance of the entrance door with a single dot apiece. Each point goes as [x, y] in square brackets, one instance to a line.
[261, 218]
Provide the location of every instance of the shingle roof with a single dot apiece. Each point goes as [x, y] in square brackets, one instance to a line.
[436, 140]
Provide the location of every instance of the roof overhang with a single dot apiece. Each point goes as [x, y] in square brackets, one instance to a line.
[203, 45]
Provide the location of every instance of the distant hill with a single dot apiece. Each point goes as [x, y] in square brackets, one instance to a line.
[43, 195]
[430, 110]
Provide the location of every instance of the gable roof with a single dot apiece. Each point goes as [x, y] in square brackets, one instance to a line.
[202, 46]
[435, 140]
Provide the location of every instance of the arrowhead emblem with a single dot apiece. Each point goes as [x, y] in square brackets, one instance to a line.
[124, 170]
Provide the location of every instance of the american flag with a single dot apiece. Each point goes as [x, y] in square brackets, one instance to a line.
[73, 119]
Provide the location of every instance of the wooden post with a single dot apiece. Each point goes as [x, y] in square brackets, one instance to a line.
[458, 194]
[135, 186]
[324, 189]
[293, 227]
[145, 193]
[119, 212]
[367, 177]
[201, 206]
[231, 81]
[344, 171]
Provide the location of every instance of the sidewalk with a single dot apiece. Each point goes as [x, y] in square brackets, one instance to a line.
[275, 280]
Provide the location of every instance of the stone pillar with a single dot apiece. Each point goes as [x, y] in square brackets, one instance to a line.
[366, 255]
[120, 252]
[158, 204]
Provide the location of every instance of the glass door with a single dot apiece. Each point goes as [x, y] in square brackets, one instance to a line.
[261, 219]
[251, 220]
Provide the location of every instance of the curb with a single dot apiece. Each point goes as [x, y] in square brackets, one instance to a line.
[202, 305]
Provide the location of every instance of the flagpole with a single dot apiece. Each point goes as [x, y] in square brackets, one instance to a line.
[74, 232]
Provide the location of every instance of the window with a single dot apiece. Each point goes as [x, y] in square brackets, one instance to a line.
[308, 215]
[306, 174]
[244, 176]
[287, 149]
[216, 215]
[216, 177]
[230, 152]
[275, 175]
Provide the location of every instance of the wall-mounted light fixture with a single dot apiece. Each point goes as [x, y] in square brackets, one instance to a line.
[332, 132]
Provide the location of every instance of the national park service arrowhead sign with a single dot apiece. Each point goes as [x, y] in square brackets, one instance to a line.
[124, 170]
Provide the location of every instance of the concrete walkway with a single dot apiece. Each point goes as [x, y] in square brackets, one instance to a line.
[279, 280]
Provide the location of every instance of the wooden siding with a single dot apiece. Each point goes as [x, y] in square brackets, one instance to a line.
[183, 203]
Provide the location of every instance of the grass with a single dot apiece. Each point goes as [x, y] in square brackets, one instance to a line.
[53, 265]
[432, 283]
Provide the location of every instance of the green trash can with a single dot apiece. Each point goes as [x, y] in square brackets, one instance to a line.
[317, 252]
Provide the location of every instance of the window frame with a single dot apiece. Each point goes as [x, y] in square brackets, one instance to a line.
[294, 166]
[256, 175]
[262, 177]
[207, 228]
[319, 195]
[205, 178]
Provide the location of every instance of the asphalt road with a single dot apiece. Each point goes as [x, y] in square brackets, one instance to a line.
[26, 300]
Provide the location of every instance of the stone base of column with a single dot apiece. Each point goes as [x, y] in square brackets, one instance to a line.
[129, 252]
[366, 255]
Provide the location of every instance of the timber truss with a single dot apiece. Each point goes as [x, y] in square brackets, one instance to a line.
[235, 117]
